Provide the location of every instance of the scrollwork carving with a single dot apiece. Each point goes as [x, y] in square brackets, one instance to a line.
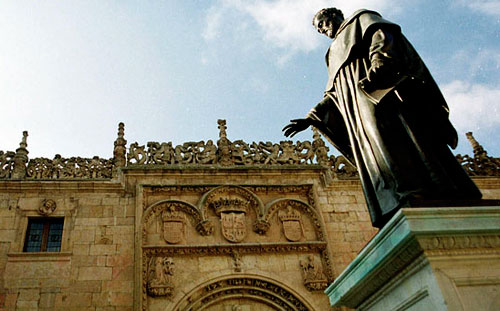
[69, 168]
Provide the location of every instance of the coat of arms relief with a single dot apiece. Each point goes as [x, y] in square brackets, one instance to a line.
[173, 225]
[292, 224]
[232, 212]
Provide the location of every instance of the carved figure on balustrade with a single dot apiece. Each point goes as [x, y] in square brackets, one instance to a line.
[160, 153]
[57, 166]
[306, 157]
[287, 155]
[6, 162]
[208, 155]
[271, 152]
[239, 152]
[137, 153]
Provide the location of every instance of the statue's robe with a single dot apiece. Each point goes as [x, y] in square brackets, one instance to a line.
[394, 128]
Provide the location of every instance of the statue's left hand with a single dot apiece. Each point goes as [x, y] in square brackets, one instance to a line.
[296, 126]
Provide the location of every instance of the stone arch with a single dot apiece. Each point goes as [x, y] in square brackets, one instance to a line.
[185, 207]
[255, 203]
[256, 288]
[273, 207]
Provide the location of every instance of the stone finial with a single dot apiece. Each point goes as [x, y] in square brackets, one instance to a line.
[120, 150]
[21, 158]
[224, 145]
[222, 128]
[23, 143]
[476, 146]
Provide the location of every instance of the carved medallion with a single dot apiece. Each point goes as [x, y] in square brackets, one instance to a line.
[233, 226]
[48, 207]
[292, 224]
[173, 226]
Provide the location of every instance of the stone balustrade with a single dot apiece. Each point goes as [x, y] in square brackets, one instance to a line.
[224, 153]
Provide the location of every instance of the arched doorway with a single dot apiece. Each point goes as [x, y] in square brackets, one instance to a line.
[242, 293]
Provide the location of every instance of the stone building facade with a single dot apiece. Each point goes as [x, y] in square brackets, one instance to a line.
[200, 226]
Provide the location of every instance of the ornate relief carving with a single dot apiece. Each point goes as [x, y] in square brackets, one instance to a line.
[173, 225]
[225, 153]
[174, 210]
[297, 205]
[205, 227]
[6, 163]
[161, 270]
[261, 226]
[69, 168]
[342, 168]
[47, 207]
[232, 212]
[292, 224]
[244, 286]
[237, 262]
[312, 273]
[319, 148]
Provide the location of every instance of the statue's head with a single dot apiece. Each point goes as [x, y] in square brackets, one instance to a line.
[327, 21]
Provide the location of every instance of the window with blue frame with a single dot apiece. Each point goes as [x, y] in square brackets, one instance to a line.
[44, 234]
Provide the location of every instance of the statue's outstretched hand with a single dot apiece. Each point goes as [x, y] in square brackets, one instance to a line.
[296, 126]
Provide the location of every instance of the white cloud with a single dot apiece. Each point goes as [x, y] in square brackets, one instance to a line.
[473, 107]
[476, 62]
[488, 7]
[213, 23]
[285, 24]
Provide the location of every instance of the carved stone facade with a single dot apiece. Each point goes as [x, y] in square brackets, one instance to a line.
[202, 226]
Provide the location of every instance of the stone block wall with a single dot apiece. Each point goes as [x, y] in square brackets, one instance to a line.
[99, 266]
[93, 270]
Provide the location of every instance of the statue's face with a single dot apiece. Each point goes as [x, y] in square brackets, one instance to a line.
[327, 25]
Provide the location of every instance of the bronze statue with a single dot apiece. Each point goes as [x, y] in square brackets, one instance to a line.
[383, 111]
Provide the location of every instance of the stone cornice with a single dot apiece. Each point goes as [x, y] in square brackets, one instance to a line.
[61, 185]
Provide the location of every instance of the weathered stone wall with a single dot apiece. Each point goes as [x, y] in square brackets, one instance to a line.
[102, 263]
[93, 271]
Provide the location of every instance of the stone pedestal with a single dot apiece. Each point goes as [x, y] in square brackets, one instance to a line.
[427, 259]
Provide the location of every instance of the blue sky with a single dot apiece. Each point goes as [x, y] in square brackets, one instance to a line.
[71, 70]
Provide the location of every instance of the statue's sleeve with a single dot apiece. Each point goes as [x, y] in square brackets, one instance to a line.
[386, 57]
[329, 121]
